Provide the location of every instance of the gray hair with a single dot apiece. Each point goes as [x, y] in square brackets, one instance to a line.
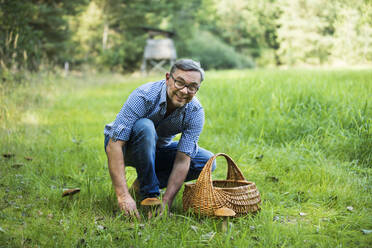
[188, 65]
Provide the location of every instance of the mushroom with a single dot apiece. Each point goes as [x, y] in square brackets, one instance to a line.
[225, 213]
[150, 204]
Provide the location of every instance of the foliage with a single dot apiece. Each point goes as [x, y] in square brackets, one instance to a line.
[32, 31]
[248, 26]
[109, 35]
[215, 54]
[352, 42]
[318, 32]
[125, 36]
[308, 152]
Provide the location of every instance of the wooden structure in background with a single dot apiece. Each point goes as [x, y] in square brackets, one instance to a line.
[159, 50]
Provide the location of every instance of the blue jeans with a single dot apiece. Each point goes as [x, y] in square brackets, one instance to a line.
[154, 165]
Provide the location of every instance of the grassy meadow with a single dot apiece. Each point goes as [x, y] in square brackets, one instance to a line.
[303, 136]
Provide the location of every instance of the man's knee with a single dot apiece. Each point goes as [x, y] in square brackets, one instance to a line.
[205, 155]
[144, 125]
[144, 129]
[198, 164]
[214, 164]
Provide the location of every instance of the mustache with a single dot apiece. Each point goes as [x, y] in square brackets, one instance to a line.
[183, 96]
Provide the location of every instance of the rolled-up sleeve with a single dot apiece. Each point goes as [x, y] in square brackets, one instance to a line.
[188, 142]
[133, 109]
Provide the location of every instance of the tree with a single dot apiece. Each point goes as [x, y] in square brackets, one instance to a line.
[325, 32]
[33, 31]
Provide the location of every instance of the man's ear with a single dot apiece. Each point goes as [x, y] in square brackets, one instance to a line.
[167, 76]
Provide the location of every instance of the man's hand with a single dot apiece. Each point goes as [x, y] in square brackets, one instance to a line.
[128, 206]
[117, 173]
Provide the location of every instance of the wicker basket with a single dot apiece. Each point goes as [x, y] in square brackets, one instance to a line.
[236, 193]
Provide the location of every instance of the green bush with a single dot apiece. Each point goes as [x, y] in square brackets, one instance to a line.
[214, 53]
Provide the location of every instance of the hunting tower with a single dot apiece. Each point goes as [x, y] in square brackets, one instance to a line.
[159, 50]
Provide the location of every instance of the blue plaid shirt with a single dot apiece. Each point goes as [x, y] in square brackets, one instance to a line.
[150, 101]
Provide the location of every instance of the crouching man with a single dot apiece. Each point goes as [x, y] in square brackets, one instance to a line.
[141, 137]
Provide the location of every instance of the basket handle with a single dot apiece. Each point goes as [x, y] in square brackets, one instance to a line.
[204, 195]
[233, 172]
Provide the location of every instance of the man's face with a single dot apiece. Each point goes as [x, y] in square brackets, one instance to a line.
[176, 97]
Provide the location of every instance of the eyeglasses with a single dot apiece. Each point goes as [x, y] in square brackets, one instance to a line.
[191, 88]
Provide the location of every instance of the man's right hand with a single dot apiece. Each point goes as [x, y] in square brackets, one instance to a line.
[128, 206]
[117, 172]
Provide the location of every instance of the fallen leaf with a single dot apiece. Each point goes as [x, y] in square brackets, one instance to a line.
[259, 158]
[276, 218]
[8, 155]
[99, 218]
[302, 214]
[146, 239]
[17, 166]
[255, 238]
[194, 228]
[67, 192]
[291, 220]
[350, 208]
[27, 241]
[76, 141]
[208, 236]
[83, 167]
[272, 178]
[365, 231]
[28, 158]
[81, 243]
[131, 226]
[100, 227]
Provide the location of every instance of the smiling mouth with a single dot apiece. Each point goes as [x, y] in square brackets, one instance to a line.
[180, 98]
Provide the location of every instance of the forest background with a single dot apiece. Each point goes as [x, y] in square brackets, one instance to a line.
[108, 35]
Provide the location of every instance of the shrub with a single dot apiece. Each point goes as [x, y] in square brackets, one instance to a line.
[214, 53]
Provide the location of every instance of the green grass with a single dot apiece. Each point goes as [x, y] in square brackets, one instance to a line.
[313, 128]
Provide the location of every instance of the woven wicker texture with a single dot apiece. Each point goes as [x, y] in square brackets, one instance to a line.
[236, 193]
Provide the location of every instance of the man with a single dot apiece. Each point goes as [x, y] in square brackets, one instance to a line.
[141, 136]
